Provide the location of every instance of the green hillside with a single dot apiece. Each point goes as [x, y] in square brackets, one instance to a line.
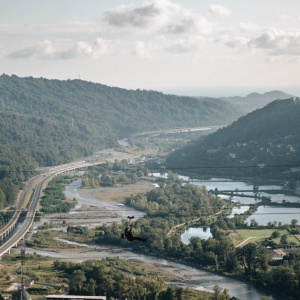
[47, 122]
[264, 143]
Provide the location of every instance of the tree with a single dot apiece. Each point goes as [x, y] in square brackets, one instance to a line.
[10, 190]
[284, 281]
[283, 239]
[2, 199]
[217, 291]
[247, 257]
[168, 295]
[294, 222]
[266, 200]
[91, 286]
[179, 294]
[253, 223]
[255, 191]
[77, 281]
[219, 294]
[226, 252]
[275, 234]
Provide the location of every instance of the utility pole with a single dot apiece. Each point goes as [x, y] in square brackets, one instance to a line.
[22, 270]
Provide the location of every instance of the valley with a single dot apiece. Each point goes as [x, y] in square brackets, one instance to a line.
[163, 176]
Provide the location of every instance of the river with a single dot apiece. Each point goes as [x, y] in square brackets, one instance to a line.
[191, 277]
[194, 278]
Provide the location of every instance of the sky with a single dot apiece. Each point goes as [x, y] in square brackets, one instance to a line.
[188, 47]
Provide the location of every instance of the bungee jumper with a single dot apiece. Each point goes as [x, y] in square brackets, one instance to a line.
[128, 233]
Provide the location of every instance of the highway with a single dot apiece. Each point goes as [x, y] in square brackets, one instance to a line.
[20, 233]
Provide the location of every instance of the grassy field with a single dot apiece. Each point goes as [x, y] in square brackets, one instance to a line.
[245, 236]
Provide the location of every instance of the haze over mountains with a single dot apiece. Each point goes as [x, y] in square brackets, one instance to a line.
[48, 122]
[255, 100]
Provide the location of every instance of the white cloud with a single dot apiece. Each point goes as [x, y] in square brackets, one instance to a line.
[44, 49]
[170, 28]
[128, 16]
[278, 42]
[161, 15]
[219, 10]
[55, 50]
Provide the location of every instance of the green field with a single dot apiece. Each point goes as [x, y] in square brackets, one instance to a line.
[239, 236]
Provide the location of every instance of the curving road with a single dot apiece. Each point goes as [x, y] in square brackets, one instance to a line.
[20, 233]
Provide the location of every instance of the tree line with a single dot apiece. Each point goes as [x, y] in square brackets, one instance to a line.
[110, 174]
[250, 262]
[53, 199]
[101, 278]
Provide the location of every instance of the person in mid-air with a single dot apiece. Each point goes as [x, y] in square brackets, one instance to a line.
[129, 236]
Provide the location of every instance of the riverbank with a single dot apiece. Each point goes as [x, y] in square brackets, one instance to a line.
[103, 206]
[173, 272]
[119, 192]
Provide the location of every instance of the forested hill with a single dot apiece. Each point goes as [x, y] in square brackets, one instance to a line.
[47, 122]
[266, 137]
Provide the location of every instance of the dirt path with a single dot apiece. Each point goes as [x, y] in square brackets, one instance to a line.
[191, 222]
[245, 241]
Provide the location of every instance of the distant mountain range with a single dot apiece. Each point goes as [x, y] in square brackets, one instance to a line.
[47, 122]
[255, 100]
[265, 143]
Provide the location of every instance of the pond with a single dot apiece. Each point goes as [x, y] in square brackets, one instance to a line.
[263, 214]
[230, 185]
[237, 210]
[201, 232]
[266, 214]
[224, 184]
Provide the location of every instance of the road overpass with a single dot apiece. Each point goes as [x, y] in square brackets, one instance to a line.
[19, 234]
[35, 188]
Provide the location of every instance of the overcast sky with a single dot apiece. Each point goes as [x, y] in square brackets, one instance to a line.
[201, 46]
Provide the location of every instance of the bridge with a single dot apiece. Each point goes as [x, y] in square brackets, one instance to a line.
[19, 234]
[13, 237]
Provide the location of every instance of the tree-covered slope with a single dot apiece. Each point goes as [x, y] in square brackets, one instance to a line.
[255, 145]
[46, 122]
